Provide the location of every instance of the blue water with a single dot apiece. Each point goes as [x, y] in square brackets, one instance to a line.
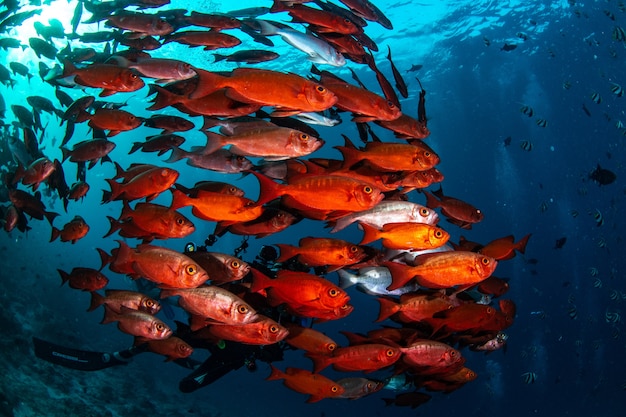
[474, 95]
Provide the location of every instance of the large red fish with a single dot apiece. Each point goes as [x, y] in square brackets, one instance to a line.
[85, 279]
[367, 358]
[217, 206]
[148, 184]
[111, 78]
[505, 247]
[289, 93]
[137, 323]
[333, 253]
[306, 382]
[74, 230]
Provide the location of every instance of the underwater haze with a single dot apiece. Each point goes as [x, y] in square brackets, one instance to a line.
[525, 109]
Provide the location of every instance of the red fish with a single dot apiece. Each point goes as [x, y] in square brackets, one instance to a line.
[208, 39]
[333, 253]
[73, 231]
[148, 184]
[143, 24]
[271, 221]
[115, 299]
[309, 340]
[263, 331]
[217, 206]
[221, 267]
[113, 120]
[392, 156]
[91, 151]
[37, 172]
[367, 358]
[85, 279]
[458, 212]
[413, 236]
[172, 348]
[504, 248]
[157, 221]
[306, 382]
[137, 323]
[443, 270]
[111, 78]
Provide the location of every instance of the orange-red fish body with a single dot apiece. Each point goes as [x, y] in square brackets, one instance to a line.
[137, 323]
[406, 127]
[89, 151]
[209, 39]
[148, 184]
[334, 253]
[111, 78]
[30, 204]
[367, 358]
[323, 21]
[324, 192]
[213, 303]
[392, 156]
[366, 105]
[458, 212]
[78, 191]
[85, 279]
[217, 206]
[263, 331]
[493, 286]
[309, 340]
[443, 270]
[163, 266]
[300, 290]
[37, 172]
[432, 357]
[114, 120]
[410, 181]
[306, 382]
[158, 221]
[115, 299]
[463, 318]
[290, 93]
[413, 236]
[505, 247]
[414, 307]
[74, 230]
[172, 348]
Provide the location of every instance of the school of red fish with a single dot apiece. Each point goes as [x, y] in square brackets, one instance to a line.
[436, 298]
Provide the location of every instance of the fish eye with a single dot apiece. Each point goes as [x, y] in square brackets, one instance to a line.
[331, 346]
[320, 89]
[391, 105]
[304, 137]
[191, 269]
[179, 221]
[354, 249]
[334, 388]
[235, 264]
[242, 309]
[273, 328]
[424, 212]
[485, 261]
[133, 76]
[333, 292]
[453, 353]
[438, 234]
[368, 190]
[160, 326]
[149, 303]
[390, 352]
[427, 154]
[489, 310]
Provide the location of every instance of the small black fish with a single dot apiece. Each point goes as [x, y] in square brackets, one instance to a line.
[508, 47]
[507, 141]
[560, 242]
[586, 110]
[415, 67]
[602, 176]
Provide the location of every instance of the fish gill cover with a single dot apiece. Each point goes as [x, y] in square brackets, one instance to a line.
[264, 188]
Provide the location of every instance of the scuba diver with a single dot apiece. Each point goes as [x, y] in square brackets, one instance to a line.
[225, 356]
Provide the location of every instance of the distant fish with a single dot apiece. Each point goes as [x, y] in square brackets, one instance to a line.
[508, 47]
[567, 85]
[574, 213]
[523, 36]
[529, 377]
[486, 41]
[526, 145]
[617, 89]
[507, 141]
[560, 242]
[543, 207]
[597, 216]
[527, 110]
[586, 110]
[609, 14]
[415, 67]
[542, 122]
[596, 97]
[602, 176]
[619, 34]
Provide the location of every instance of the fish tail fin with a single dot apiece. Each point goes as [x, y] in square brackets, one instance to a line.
[286, 252]
[105, 258]
[521, 245]
[219, 57]
[64, 276]
[96, 301]
[66, 153]
[267, 29]
[431, 200]
[269, 190]
[355, 338]
[350, 156]
[68, 68]
[127, 212]
[179, 199]
[439, 192]
[400, 275]
[115, 190]
[136, 146]
[370, 234]
[54, 234]
[109, 315]
[260, 281]
[346, 279]
[163, 98]
[319, 361]
[168, 292]
[197, 322]
[124, 253]
[114, 226]
[119, 171]
[213, 143]
[208, 82]
[276, 374]
[387, 309]
[176, 155]
[50, 216]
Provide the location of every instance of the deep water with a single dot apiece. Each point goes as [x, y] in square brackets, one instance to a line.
[564, 332]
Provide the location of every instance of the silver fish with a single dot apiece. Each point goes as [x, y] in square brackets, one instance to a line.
[374, 281]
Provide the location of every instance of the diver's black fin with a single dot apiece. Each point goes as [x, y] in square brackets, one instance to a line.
[82, 359]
